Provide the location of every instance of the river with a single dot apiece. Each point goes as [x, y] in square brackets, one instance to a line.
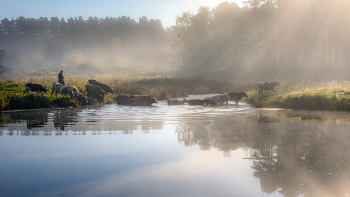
[230, 150]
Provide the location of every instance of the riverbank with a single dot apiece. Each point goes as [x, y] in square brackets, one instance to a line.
[163, 88]
[12, 96]
[328, 96]
[334, 96]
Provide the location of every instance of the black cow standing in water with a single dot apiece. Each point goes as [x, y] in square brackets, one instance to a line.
[34, 87]
[236, 96]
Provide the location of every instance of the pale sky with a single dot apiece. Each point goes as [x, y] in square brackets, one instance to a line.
[164, 10]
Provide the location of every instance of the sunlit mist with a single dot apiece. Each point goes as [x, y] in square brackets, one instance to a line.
[252, 40]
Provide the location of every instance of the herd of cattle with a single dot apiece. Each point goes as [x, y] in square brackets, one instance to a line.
[94, 89]
[97, 90]
[212, 100]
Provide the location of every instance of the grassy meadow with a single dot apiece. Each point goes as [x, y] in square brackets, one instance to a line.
[334, 96]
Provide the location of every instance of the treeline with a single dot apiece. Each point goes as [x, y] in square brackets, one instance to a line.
[112, 39]
[77, 32]
[268, 38]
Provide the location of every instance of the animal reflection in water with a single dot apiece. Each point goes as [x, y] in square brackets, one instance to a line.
[267, 119]
[177, 102]
[136, 100]
[36, 124]
[197, 101]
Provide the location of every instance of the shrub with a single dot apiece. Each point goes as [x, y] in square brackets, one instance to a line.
[28, 102]
[2, 103]
[63, 102]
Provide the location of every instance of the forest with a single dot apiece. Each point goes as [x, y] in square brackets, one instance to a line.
[263, 40]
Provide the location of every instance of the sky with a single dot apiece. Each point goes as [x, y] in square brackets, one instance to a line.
[164, 10]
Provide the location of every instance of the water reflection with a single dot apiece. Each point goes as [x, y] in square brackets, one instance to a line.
[55, 122]
[293, 153]
[305, 156]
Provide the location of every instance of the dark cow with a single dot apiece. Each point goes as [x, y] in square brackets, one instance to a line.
[136, 100]
[224, 99]
[177, 102]
[197, 102]
[62, 89]
[104, 87]
[267, 86]
[142, 100]
[77, 95]
[95, 92]
[214, 100]
[34, 87]
[236, 96]
[122, 100]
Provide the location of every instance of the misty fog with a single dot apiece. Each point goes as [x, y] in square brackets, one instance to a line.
[265, 39]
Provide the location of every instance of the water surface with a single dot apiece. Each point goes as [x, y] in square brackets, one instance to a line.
[163, 150]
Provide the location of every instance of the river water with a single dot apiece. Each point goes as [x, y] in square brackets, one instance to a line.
[162, 150]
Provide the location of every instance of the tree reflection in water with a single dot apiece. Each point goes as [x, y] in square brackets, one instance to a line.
[292, 154]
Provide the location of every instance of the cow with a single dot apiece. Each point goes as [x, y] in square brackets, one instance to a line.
[122, 100]
[177, 102]
[197, 102]
[62, 89]
[224, 99]
[141, 100]
[95, 92]
[136, 100]
[34, 87]
[77, 95]
[236, 96]
[214, 100]
[104, 87]
[267, 86]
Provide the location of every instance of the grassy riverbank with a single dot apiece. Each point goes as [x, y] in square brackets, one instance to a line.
[163, 88]
[332, 96]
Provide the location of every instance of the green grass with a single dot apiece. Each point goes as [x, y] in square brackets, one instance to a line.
[12, 97]
[332, 97]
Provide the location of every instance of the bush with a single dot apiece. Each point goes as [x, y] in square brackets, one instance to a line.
[27, 102]
[2, 103]
[64, 102]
